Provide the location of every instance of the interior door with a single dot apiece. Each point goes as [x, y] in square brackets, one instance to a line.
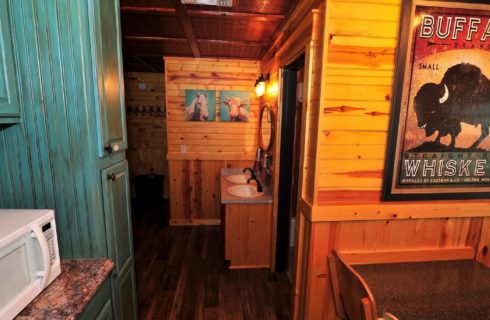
[106, 40]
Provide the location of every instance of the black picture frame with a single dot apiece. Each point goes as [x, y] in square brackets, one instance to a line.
[394, 186]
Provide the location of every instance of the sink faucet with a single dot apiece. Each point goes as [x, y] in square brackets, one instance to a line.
[259, 185]
[252, 173]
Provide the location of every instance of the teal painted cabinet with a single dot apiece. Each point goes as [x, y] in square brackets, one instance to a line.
[68, 152]
[9, 105]
[106, 50]
[106, 312]
[100, 307]
[115, 186]
[125, 297]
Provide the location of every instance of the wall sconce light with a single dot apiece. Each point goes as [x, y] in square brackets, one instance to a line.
[260, 84]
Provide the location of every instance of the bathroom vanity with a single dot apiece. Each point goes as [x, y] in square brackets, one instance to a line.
[246, 221]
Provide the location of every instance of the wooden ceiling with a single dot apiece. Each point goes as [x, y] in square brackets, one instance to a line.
[152, 29]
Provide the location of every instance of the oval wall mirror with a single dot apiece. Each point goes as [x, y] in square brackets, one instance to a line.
[266, 128]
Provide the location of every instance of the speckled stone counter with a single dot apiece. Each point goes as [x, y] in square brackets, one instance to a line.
[68, 295]
[449, 290]
[227, 198]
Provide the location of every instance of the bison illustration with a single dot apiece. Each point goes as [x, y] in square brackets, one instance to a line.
[462, 96]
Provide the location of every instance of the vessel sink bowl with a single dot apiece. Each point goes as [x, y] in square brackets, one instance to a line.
[244, 191]
[238, 178]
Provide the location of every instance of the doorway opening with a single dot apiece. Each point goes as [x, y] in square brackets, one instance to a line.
[292, 104]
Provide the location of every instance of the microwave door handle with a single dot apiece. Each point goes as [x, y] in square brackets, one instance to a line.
[38, 234]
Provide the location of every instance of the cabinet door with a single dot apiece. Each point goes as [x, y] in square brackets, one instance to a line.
[106, 312]
[109, 79]
[9, 106]
[125, 294]
[100, 307]
[115, 188]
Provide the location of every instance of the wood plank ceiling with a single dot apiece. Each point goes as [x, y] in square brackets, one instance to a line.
[152, 29]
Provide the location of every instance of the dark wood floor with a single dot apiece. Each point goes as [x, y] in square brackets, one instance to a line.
[180, 275]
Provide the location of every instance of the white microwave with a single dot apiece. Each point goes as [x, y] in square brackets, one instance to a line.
[29, 257]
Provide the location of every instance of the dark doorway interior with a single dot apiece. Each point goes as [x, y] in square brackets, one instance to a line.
[293, 76]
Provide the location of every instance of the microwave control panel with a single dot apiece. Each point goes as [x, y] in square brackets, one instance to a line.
[49, 234]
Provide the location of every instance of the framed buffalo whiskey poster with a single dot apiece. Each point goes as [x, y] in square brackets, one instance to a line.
[439, 144]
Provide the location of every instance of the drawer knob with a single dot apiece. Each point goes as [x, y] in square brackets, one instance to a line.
[108, 148]
[111, 176]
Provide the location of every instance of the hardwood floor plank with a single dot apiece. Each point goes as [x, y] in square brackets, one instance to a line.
[180, 275]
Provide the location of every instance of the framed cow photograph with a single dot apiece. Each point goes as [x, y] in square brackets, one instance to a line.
[235, 106]
[439, 143]
[200, 105]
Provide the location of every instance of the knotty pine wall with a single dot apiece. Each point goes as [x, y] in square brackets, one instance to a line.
[302, 34]
[354, 111]
[146, 125]
[194, 175]
[313, 295]
[356, 97]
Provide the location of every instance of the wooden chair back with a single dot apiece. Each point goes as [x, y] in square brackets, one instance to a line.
[352, 297]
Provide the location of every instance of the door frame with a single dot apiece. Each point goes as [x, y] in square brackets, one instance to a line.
[281, 233]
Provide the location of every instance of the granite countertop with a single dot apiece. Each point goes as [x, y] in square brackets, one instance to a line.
[227, 198]
[68, 295]
[449, 290]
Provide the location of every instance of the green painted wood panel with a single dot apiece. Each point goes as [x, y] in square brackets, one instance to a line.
[109, 77]
[125, 294]
[115, 187]
[50, 159]
[100, 307]
[9, 105]
[106, 312]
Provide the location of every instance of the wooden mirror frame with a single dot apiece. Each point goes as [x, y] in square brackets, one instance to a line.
[262, 145]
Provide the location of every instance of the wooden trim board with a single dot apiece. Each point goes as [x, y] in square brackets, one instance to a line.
[412, 255]
[395, 210]
[195, 222]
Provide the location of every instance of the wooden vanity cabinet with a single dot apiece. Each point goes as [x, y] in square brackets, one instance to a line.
[247, 235]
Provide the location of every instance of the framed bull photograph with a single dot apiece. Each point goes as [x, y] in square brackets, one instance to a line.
[200, 105]
[439, 143]
[235, 106]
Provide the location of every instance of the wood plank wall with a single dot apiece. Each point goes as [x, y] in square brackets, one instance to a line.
[357, 86]
[300, 35]
[147, 125]
[313, 290]
[357, 80]
[209, 146]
